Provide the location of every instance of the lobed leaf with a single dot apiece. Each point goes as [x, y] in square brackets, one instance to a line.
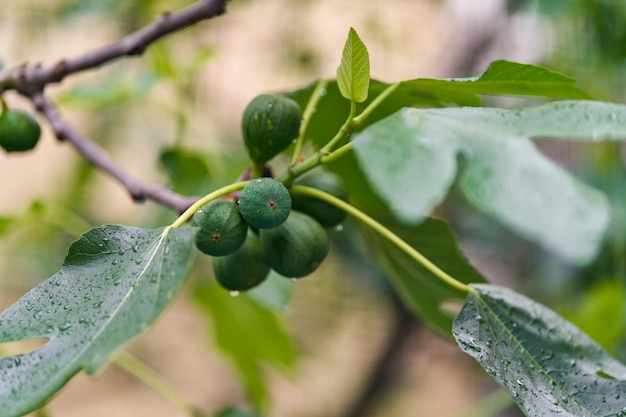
[418, 288]
[549, 366]
[353, 73]
[114, 283]
[505, 175]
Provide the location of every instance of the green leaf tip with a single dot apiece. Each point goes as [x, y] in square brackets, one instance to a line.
[353, 73]
[114, 283]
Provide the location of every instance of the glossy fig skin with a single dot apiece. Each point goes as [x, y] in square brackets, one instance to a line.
[19, 131]
[297, 247]
[222, 229]
[265, 203]
[270, 124]
[326, 214]
[242, 269]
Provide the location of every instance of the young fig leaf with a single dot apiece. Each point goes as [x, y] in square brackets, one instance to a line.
[353, 73]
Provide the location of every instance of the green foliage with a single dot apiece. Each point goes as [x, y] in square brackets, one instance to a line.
[548, 365]
[606, 299]
[326, 214]
[398, 161]
[504, 174]
[187, 170]
[115, 282]
[353, 74]
[250, 334]
[419, 289]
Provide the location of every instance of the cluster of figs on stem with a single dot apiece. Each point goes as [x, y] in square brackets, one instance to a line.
[266, 226]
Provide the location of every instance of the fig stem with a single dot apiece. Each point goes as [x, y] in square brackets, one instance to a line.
[383, 231]
[309, 111]
[358, 120]
[207, 199]
[326, 154]
[140, 370]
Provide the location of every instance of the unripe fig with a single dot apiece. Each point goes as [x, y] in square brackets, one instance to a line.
[326, 214]
[270, 124]
[295, 248]
[265, 203]
[19, 131]
[222, 228]
[242, 269]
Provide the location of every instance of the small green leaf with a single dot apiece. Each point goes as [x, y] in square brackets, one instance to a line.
[274, 294]
[604, 299]
[115, 282]
[549, 366]
[250, 334]
[353, 74]
[420, 290]
[187, 170]
[505, 175]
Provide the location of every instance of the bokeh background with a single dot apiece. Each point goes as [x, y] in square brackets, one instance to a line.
[173, 116]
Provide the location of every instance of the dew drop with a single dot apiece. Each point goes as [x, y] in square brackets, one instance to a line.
[323, 92]
[233, 293]
[339, 227]
[65, 326]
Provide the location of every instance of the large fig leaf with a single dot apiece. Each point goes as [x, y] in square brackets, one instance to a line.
[548, 365]
[115, 282]
[505, 175]
[419, 289]
[500, 78]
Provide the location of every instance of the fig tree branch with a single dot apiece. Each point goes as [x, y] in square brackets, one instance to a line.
[28, 79]
[93, 153]
[31, 81]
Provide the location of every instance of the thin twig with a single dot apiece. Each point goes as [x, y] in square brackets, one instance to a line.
[29, 79]
[93, 153]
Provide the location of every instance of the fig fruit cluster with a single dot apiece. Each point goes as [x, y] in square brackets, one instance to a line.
[267, 229]
[19, 131]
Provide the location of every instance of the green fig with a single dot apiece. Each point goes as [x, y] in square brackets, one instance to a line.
[295, 248]
[265, 203]
[222, 229]
[242, 269]
[326, 214]
[19, 131]
[270, 124]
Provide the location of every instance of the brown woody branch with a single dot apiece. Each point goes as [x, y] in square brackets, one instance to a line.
[93, 153]
[30, 81]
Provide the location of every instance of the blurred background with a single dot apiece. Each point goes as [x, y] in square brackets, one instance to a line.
[337, 344]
